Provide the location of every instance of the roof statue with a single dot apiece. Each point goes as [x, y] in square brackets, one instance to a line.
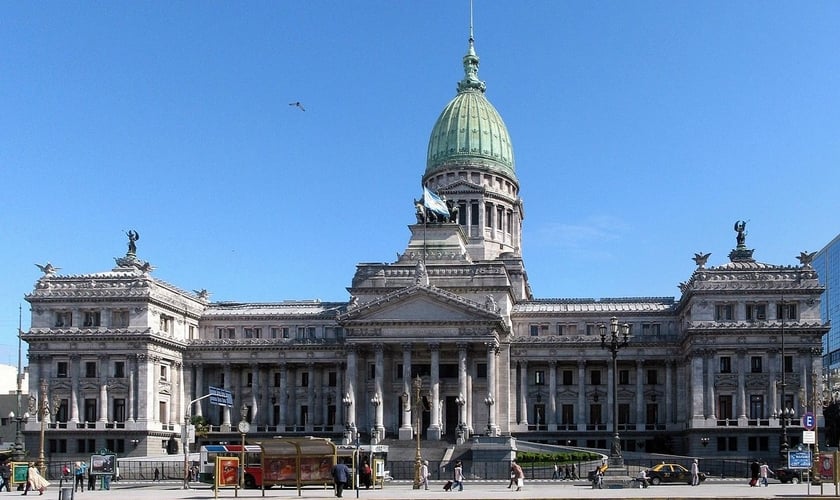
[421, 277]
[133, 236]
[48, 269]
[700, 259]
[805, 258]
[741, 253]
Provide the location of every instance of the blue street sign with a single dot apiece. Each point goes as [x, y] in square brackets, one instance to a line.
[809, 421]
[220, 397]
[799, 459]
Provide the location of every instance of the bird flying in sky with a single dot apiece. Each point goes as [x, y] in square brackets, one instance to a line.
[298, 104]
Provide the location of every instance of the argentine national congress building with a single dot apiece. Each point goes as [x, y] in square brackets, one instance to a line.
[122, 353]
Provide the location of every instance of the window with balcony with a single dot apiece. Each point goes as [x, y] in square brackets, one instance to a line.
[595, 414]
[91, 319]
[756, 312]
[90, 410]
[756, 406]
[63, 319]
[725, 407]
[724, 312]
[567, 414]
[118, 410]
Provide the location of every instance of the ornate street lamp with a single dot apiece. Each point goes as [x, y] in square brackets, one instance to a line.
[489, 401]
[43, 410]
[704, 441]
[243, 427]
[617, 338]
[784, 447]
[347, 400]
[461, 431]
[376, 400]
[417, 385]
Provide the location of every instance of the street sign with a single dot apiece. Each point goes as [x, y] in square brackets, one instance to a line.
[809, 437]
[799, 459]
[221, 397]
[809, 421]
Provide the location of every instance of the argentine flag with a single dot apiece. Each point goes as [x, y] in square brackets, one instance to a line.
[434, 203]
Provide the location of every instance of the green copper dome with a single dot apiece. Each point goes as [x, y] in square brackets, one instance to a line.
[470, 131]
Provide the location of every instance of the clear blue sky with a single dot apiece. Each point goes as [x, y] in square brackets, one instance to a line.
[642, 131]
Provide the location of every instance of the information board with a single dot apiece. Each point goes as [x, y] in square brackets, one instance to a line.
[20, 472]
[799, 459]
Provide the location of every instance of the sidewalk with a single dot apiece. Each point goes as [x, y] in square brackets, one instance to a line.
[478, 490]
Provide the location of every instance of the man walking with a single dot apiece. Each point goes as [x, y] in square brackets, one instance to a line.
[340, 474]
[518, 475]
[695, 473]
[458, 476]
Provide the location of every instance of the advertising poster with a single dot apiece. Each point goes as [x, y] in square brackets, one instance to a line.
[20, 471]
[102, 464]
[826, 467]
[227, 471]
[279, 469]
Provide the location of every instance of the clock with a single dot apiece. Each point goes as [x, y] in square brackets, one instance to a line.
[244, 427]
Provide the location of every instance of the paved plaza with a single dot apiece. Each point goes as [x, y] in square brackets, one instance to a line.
[478, 490]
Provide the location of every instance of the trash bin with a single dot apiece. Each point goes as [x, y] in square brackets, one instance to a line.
[65, 493]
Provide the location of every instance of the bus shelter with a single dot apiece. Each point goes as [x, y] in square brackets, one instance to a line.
[297, 461]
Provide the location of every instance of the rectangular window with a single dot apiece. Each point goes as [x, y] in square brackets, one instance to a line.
[275, 332]
[474, 213]
[727, 443]
[301, 332]
[249, 379]
[115, 445]
[90, 369]
[304, 379]
[276, 379]
[652, 377]
[725, 364]
[462, 213]
[163, 372]
[535, 330]
[758, 443]
[90, 410]
[756, 406]
[119, 319]
[594, 414]
[539, 377]
[310, 333]
[166, 323]
[567, 377]
[253, 333]
[63, 319]
[119, 410]
[92, 319]
[332, 379]
[567, 414]
[756, 312]
[481, 370]
[786, 311]
[788, 364]
[723, 312]
[560, 330]
[500, 216]
[755, 364]
[191, 332]
[652, 413]
[163, 413]
[595, 377]
[86, 445]
[488, 215]
[623, 377]
[591, 329]
[623, 413]
[119, 369]
[725, 407]
[510, 222]
[61, 369]
[227, 333]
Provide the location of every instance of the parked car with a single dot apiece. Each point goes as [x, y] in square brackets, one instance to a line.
[794, 476]
[670, 473]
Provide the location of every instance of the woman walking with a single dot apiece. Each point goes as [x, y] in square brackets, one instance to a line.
[34, 480]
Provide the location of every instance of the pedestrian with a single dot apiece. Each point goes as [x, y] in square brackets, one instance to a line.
[91, 480]
[424, 474]
[556, 473]
[574, 471]
[367, 474]
[695, 473]
[567, 472]
[765, 471]
[458, 476]
[755, 470]
[79, 472]
[642, 479]
[518, 475]
[5, 474]
[340, 475]
[156, 475]
[34, 480]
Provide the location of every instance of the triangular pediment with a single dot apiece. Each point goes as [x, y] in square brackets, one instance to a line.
[421, 304]
[461, 186]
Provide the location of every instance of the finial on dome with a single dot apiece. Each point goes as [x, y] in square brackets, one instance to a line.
[471, 81]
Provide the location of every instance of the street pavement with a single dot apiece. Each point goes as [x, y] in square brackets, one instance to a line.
[473, 490]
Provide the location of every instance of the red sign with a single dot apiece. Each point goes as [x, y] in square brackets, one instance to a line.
[826, 466]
